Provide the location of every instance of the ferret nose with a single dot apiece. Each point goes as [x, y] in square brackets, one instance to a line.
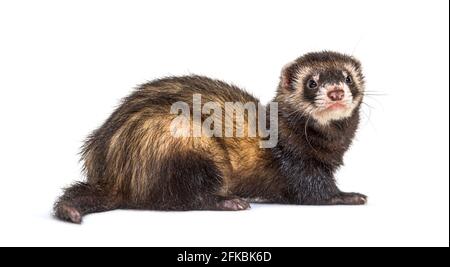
[336, 94]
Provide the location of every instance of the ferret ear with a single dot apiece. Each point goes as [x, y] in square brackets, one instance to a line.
[288, 75]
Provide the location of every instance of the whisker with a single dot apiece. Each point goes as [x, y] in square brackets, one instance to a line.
[306, 110]
[306, 133]
[371, 94]
[356, 45]
[369, 106]
[374, 99]
[369, 121]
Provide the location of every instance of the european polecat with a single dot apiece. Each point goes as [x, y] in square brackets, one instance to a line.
[148, 155]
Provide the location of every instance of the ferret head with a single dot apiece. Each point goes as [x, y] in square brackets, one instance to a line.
[324, 86]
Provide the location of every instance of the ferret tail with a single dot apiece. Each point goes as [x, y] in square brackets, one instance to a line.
[81, 199]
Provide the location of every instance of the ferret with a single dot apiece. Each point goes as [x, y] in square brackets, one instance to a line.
[135, 160]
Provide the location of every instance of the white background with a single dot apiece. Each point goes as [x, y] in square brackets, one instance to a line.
[64, 66]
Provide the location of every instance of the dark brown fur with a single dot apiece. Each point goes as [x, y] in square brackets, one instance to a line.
[132, 161]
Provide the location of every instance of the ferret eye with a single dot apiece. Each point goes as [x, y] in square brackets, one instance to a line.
[312, 84]
[348, 80]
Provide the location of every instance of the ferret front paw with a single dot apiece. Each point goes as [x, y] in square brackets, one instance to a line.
[234, 204]
[349, 199]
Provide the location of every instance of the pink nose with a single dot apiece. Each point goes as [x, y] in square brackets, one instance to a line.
[336, 95]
